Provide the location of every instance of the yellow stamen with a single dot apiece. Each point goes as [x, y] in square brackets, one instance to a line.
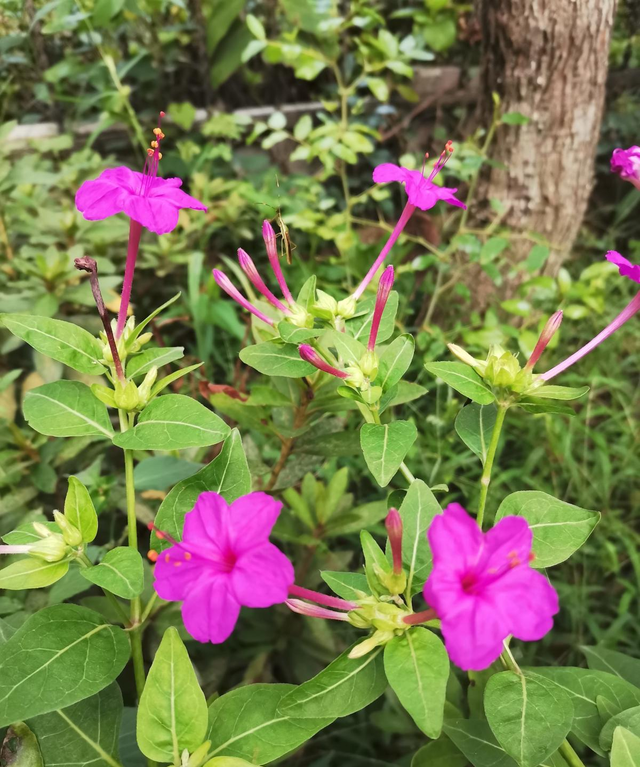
[154, 144]
[159, 155]
[157, 131]
[150, 152]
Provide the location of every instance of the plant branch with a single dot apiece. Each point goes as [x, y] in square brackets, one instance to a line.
[288, 442]
[485, 480]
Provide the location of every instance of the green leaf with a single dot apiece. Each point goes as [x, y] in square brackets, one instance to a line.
[20, 747]
[303, 128]
[173, 422]
[120, 572]
[142, 363]
[584, 687]
[476, 741]
[474, 426]
[162, 384]
[537, 258]
[80, 511]
[246, 723]
[293, 335]
[227, 761]
[395, 361]
[139, 328]
[417, 667]
[418, 511]
[514, 118]
[31, 573]
[529, 715]
[379, 88]
[163, 471]
[537, 405]
[182, 114]
[625, 751]
[66, 409]
[228, 474]
[255, 27]
[560, 392]
[559, 528]
[349, 586]
[463, 379]
[345, 686]
[59, 656]
[439, 753]
[173, 713]
[274, 359]
[62, 341]
[349, 350]
[360, 325]
[85, 733]
[375, 562]
[629, 719]
[616, 663]
[6, 631]
[492, 249]
[385, 446]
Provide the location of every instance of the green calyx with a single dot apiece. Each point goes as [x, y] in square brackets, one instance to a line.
[300, 317]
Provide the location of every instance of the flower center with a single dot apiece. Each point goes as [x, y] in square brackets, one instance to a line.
[154, 155]
[469, 583]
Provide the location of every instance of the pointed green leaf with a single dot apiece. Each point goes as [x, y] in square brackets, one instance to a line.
[247, 724]
[360, 325]
[162, 384]
[537, 405]
[31, 573]
[173, 422]
[228, 474]
[529, 715]
[476, 741]
[345, 686]
[121, 572]
[474, 426]
[395, 361]
[559, 528]
[80, 511]
[142, 363]
[85, 734]
[629, 719]
[139, 328]
[616, 663]
[62, 341]
[349, 586]
[375, 562]
[66, 409]
[417, 667]
[173, 711]
[559, 392]
[463, 379]
[385, 446]
[58, 657]
[625, 751]
[275, 359]
[439, 753]
[418, 510]
[293, 335]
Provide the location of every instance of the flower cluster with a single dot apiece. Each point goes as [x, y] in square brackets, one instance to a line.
[482, 588]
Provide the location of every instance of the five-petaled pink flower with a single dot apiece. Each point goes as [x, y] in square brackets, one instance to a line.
[224, 561]
[626, 162]
[483, 587]
[149, 201]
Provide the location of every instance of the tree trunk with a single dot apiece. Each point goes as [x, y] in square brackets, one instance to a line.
[548, 60]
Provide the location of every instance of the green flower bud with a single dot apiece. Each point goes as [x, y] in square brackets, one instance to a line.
[51, 549]
[395, 583]
[300, 317]
[126, 396]
[41, 530]
[140, 341]
[357, 378]
[369, 364]
[70, 533]
[199, 755]
[479, 365]
[347, 307]
[502, 368]
[375, 640]
[144, 390]
[372, 394]
[104, 394]
[326, 306]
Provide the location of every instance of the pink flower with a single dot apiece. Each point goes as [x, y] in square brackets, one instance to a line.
[627, 269]
[249, 268]
[225, 283]
[626, 162]
[309, 354]
[224, 561]
[269, 237]
[148, 200]
[483, 588]
[422, 193]
[548, 332]
[382, 296]
[393, 523]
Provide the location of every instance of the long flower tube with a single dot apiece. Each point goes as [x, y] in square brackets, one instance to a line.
[225, 283]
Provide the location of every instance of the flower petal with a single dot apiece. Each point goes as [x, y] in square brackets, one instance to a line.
[251, 518]
[206, 524]
[123, 177]
[527, 602]
[156, 214]
[262, 577]
[455, 538]
[172, 582]
[386, 172]
[507, 545]
[446, 194]
[99, 199]
[474, 636]
[210, 611]
[627, 269]
[166, 190]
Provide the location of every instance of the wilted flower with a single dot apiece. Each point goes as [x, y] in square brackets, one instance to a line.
[224, 561]
[626, 162]
[483, 588]
[148, 200]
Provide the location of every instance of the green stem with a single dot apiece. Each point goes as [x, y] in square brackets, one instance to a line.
[569, 755]
[485, 480]
[136, 629]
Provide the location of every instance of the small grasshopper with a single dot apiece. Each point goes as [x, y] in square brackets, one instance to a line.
[287, 246]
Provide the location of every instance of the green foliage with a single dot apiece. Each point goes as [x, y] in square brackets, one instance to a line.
[385, 446]
[120, 572]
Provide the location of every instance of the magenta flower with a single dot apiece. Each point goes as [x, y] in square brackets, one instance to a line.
[422, 193]
[225, 283]
[548, 332]
[483, 588]
[393, 524]
[309, 354]
[269, 237]
[626, 163]
[249, 268]
[148, 200]
[627, 269]
[382, 296]
[224, 561]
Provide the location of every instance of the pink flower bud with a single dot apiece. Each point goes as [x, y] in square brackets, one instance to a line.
[626, 162]
[393, 523]
[313, 611]
[249, 268]
[321, 599]
[225, 283]
[309, 354]
[548, 332]
[384, 288]
[269, 237]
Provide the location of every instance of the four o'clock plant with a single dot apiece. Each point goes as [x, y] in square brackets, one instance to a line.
[443, 596]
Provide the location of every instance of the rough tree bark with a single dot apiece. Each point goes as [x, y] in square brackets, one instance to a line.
[548, 60]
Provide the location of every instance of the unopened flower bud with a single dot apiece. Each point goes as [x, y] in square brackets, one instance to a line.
[126, 396]
[479, 365]
[70, 533]
[104, 394]
[377, 639]
[41, 530]
[502, 368]
[199, 755]
[51, 549]
[356, 378]
[393, 523]
[300, 317]
[384, 290]
[551, 327]
[140, 341]
[347, 307]
[369, 364]
[326, 306]
[309, 354]
[144, 390]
